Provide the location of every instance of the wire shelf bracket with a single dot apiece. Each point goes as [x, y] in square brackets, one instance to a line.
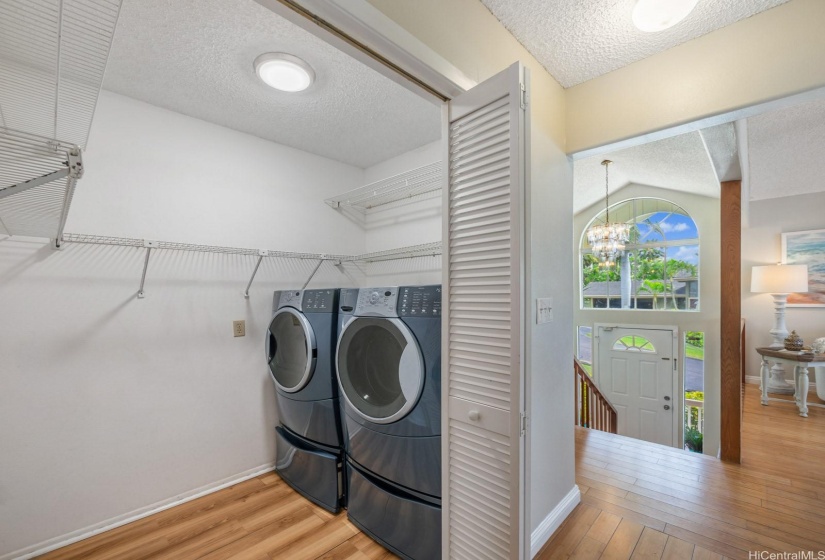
[261, 254]
[149, 246]
[417, 184]
[38, 177]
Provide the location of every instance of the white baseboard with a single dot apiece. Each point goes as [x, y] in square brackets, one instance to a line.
[103, 526]
[553, 521]
[756, 380]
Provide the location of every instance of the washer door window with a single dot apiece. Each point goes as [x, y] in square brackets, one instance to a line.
[380, 368]
[291, 350]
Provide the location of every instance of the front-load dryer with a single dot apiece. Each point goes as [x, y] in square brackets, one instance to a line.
[300, 347]
[388, 363]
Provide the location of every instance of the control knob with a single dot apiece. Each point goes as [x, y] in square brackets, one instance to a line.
[374, 297]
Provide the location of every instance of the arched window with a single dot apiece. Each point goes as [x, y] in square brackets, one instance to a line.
[659, 269]
[634, 343]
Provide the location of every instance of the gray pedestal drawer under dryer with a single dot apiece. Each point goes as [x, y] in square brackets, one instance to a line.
[300, 347]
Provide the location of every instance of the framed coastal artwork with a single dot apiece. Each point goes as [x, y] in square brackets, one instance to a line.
[807, 247]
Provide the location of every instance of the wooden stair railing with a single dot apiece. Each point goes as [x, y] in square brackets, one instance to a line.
[593, 410]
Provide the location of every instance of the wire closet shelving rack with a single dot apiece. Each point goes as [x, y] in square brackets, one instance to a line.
[414, 251]
[53, 56]
[414, 185]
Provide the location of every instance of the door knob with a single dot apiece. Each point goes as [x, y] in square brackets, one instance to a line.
[667, 398]
[474, 415]
[667, 407]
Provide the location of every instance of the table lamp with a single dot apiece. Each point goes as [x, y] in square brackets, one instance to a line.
[779, 280]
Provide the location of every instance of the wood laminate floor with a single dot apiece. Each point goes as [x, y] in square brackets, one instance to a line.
[259, 519]
[642, 500]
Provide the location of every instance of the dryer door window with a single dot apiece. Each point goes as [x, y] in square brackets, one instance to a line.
[291, 350]
[380, 368]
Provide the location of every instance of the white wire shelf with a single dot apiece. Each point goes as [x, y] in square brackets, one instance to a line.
[37, 182]
[174, 246]
[417, 184]
[53, 56]
[411, 252]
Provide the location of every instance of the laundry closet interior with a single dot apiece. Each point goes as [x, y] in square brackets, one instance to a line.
[160, 204]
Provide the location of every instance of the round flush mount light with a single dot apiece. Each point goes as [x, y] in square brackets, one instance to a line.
[284, 72]
[657, 15]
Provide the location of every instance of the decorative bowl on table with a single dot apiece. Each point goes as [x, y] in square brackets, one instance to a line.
[794, 342]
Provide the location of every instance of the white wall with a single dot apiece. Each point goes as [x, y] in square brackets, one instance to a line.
[705, 212]
[110, 404]
[761, 244]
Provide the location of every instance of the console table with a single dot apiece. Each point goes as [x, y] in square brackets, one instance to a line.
[800, 363]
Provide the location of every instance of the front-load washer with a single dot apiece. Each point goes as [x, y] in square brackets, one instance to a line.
[300, 347]
[388, 363]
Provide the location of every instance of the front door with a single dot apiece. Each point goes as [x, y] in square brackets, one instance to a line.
[637, 373]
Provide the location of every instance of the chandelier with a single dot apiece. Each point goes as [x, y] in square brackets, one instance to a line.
[607, 240]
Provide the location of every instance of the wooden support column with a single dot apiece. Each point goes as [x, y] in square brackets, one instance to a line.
[731, 345]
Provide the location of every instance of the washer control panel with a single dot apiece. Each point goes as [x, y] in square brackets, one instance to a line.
[419, 301]
[377, 302]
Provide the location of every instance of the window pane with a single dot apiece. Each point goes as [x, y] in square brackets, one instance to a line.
[694, 390]
[654, 273]
[584, 347]
[634, 344]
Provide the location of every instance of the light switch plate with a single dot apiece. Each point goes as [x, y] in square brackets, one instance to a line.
[239, 328]
[544, 310]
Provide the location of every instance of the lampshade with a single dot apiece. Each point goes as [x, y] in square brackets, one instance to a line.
[779, 278]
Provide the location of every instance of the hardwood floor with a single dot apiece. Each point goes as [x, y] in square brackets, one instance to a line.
[259, 519]
[646, 501]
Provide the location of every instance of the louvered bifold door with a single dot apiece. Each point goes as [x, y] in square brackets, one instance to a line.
[482, 438]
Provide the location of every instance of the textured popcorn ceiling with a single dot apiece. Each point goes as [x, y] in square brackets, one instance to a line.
[577, 40]
[680, 163]
[195, 57]
[786, 150]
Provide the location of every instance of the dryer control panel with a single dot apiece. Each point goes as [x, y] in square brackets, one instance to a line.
[291, 298]
[419, 301]
[377, 302]
[320, 301]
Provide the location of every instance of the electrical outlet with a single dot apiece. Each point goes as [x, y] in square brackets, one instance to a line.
[239, 328]
[544, 310]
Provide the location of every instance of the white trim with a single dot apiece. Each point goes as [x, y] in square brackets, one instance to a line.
[756, 380]
[554, 519]
[114, 522]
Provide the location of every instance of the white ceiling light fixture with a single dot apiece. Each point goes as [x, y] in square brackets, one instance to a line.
[651, 16]
[284, 72]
